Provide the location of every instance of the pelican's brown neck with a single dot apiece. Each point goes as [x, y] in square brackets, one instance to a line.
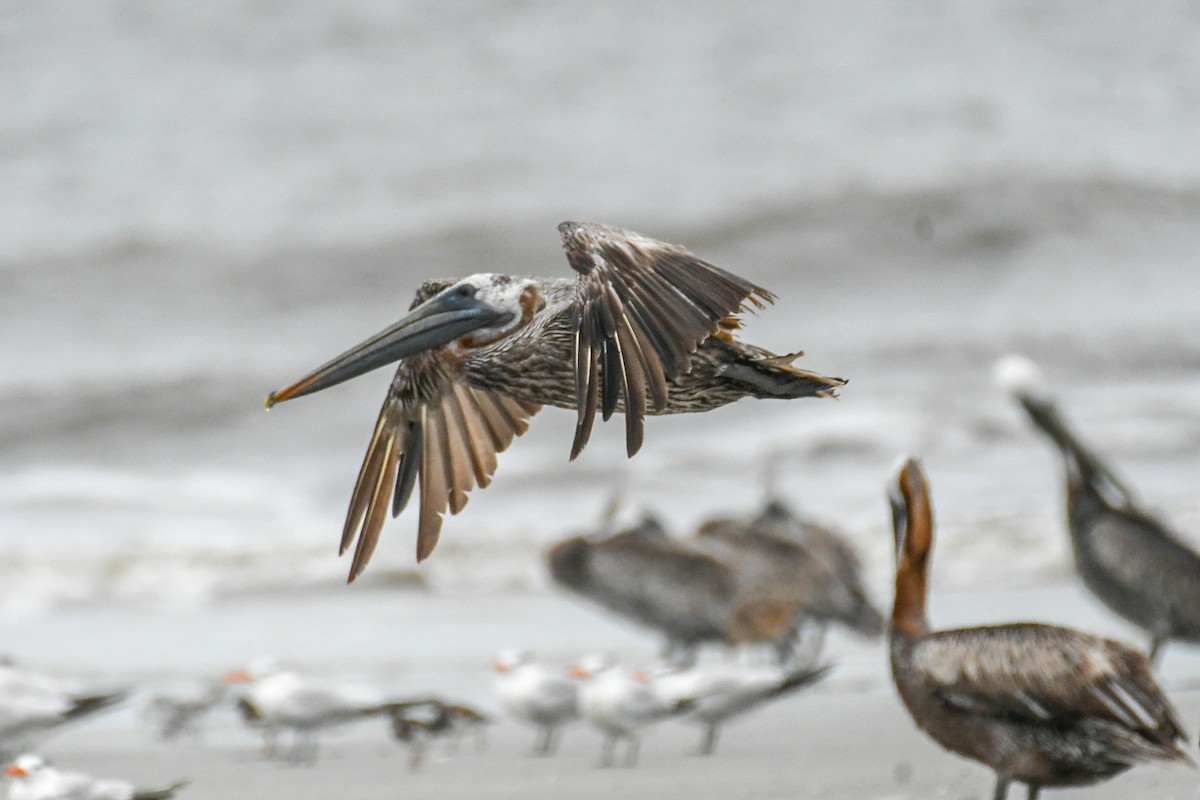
[912, 565]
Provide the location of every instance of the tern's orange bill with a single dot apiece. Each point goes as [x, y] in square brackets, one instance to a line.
[238, 676]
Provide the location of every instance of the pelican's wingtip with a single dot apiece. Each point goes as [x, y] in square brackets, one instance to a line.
[1020, 376]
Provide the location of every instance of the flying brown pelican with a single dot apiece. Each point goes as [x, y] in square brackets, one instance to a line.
[646, 328]
[1039, 704]
[1129, 559]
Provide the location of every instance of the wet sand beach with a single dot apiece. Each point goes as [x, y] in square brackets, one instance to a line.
[848, 737]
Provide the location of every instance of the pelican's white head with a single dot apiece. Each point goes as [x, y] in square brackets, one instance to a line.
[1021, 377]
[513, 301]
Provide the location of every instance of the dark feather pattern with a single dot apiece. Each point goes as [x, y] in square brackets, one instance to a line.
[444, 438]
[645, 307]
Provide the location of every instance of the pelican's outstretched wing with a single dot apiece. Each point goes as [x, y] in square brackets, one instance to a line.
[642, 309]
[448, 444]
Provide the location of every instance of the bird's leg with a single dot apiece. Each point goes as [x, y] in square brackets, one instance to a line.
[542, 747]
[312, 748]
[303, 751]
[1034, 791]
[785, 647]
[480, 738]
[631, 751]
[809, 642]
[1157, 641]
[608, 751]
[552, 736]
[710, 741]
[679, 655]
[1001, 792]
[295, 749]
[268, 750]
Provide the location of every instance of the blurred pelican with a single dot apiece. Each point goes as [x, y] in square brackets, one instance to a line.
[1129, 559]
[690, 597]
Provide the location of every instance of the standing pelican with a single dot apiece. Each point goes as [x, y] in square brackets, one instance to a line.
[1125, 556]
[646, 328]
[1039, 704]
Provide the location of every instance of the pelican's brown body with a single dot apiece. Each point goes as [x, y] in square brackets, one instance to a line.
[646, 328]
[1041, 705]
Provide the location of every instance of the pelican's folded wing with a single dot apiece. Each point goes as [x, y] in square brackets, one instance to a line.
[1047, 674]
[449, 445]
[642, 309]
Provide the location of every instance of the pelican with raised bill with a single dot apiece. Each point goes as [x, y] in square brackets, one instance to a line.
[1040, 704]
[645, 328]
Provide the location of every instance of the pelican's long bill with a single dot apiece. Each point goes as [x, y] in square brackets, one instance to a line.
[438, 321]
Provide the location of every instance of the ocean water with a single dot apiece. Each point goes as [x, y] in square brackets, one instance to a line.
[200, 202]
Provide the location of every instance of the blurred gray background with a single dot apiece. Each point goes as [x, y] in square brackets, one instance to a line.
[201, 201]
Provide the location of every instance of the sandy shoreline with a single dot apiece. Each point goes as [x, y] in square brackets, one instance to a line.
[819, 746]
[846, 738]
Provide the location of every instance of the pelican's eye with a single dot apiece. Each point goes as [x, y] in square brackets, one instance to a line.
[466, 291]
